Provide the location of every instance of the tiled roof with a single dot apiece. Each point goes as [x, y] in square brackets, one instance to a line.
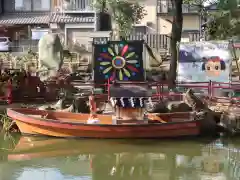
[71, 18]
[25, 18]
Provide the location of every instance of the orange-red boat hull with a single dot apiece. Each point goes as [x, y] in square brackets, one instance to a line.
[73, 128]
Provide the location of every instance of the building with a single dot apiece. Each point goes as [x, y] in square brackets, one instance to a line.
[20, 18]
[78, 20]
[159, 17]
[24, 21]
[191, 19]
[75, 19]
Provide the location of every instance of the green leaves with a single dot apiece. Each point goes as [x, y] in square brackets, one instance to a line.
[223, 23]
[125, 13]
[199, 2]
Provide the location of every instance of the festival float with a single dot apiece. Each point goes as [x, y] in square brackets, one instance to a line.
[120, 65]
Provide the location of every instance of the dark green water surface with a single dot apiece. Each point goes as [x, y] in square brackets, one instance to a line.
[35, 158]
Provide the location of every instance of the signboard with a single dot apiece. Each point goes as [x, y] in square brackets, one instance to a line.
[116, 60]
[204, 61]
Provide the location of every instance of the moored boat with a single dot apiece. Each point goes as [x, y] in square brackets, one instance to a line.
[63, 124]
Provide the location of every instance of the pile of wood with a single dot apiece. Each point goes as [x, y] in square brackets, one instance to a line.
[230, 116]
[192, 103]
[209, 119]
[214, 116]
[76, 105]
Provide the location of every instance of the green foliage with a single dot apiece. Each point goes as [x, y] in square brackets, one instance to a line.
[125, 13]
[6, 122]
[25, 59]
[223, 23]
[193, 2]
[199, 2]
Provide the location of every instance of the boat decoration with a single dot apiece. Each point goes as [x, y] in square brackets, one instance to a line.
[128, 100]
[133, 96]
[118, 60]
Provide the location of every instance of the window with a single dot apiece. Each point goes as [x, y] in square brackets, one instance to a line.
[41, 5]
[162, 6]
[23, 5]
[3, 39]
[32, 5]
[37, 34]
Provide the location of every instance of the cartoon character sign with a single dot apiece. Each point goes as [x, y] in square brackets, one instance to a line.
[213, 66]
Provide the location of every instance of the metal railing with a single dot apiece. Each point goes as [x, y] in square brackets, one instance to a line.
[165, 6]
[75, 6]
[24, 45]
[156, 41]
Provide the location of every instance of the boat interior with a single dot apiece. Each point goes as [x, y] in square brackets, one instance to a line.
[103, 119]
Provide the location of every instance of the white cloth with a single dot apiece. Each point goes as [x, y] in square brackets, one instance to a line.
[93, 121]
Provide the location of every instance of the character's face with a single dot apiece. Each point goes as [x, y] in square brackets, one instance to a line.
[214, 66]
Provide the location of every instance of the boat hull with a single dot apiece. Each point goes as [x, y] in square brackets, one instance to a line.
[37, 126]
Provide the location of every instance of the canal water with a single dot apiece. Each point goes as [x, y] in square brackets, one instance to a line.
[35, 158]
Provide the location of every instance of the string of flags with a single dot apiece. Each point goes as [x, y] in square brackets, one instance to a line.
[130, 102]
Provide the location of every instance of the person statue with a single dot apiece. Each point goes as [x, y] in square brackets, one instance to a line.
[50, 55]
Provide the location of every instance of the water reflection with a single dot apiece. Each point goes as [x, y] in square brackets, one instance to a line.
[46, 159]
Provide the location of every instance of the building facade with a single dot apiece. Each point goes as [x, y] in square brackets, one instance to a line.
[191, 18]
[20, 17]
[76, 20]
[160, 14]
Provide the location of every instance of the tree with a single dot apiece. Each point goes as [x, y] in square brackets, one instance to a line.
[224, 23]
[124, 13]
[175, 38]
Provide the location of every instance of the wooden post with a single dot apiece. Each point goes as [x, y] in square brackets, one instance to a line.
[108, 88]
[9, 92]
[29, 32]
[235, 57]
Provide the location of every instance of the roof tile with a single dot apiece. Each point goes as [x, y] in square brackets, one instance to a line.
[25, 18]
[71, 18]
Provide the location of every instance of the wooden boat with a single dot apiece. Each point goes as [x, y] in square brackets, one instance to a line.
[38, 147]
[64, 124]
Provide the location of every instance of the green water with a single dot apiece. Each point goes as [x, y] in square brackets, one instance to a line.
[28, 158]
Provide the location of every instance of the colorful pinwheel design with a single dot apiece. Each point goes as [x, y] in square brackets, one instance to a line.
[118, 61]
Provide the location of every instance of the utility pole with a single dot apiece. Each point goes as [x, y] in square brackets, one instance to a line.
[201, 17]
[200, 23]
